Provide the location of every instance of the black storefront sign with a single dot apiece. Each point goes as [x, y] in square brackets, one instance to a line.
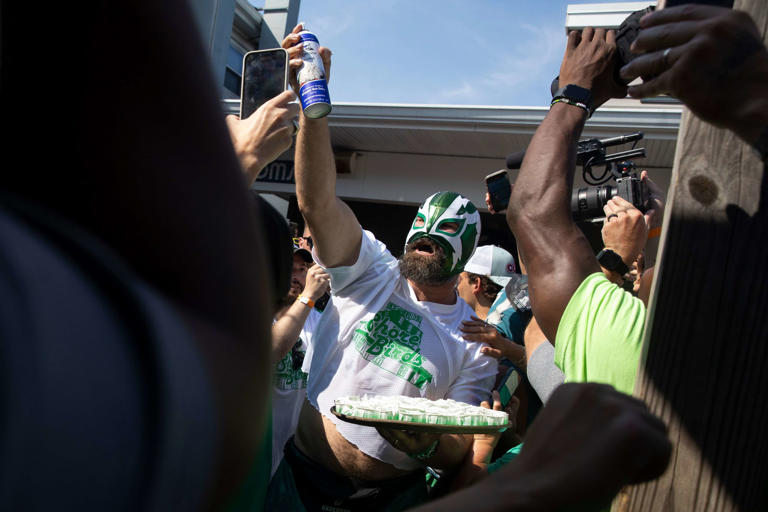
[279, 171]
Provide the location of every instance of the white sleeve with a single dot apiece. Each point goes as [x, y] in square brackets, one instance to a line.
[373, 262]
[475, 381]
[309, 326]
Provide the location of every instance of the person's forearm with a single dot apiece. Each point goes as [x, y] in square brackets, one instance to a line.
[451, 451]
[557, 255]
[315, 169]
[287, 329]
[515, 353]
[474, 466]
[543, 188]
[532, 338]
[335, 230]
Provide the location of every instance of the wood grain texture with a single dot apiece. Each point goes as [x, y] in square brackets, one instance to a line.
[705, 369]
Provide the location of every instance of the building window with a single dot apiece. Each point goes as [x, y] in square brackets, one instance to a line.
[232, 76]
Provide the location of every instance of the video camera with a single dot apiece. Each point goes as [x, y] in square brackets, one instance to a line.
[587, 202]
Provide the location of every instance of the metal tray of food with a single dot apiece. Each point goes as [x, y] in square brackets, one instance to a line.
[421, 427]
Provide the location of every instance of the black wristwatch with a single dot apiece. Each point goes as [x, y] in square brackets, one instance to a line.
[574, 95]
[612, 261]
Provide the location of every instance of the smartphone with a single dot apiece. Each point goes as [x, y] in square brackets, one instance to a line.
[508, 386]
[265, 75]
[499, 190]
[322, 302]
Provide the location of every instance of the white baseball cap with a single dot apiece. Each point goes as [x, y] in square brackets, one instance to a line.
[494, 262]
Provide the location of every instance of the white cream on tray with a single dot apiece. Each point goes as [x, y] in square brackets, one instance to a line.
[419, 410]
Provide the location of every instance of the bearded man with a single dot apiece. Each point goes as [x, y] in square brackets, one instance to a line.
[392, 329]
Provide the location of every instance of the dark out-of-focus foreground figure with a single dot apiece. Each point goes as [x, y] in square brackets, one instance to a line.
[133, 313]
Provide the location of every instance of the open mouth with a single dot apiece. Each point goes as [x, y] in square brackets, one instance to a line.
[424, 246]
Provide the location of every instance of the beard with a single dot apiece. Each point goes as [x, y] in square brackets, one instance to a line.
[421, 268]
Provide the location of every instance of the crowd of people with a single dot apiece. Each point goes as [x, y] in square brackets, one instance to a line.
[137, 293]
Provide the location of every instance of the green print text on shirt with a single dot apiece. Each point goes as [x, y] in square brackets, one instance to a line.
[391, 340]
[288, 374]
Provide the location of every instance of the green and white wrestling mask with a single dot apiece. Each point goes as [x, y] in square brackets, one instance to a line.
[451, 221]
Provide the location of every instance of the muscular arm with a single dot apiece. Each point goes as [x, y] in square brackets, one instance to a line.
[557, 255]
[336, 233]
[335, 230]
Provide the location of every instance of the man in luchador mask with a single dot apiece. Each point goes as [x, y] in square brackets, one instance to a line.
[392, 329]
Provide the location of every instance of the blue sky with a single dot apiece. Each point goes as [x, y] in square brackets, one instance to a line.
[474, 52]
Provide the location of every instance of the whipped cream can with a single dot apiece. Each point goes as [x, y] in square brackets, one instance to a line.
[313, 87]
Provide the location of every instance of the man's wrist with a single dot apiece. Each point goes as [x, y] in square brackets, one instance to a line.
[608, 262]
[427, 453]
[577, 116]
[574, 95]
[307, 301]
[308, 121]
[613, 276]
[627, 260]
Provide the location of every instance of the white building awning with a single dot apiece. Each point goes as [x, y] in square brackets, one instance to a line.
[441, 147]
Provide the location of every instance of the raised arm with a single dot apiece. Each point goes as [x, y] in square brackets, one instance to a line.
[335, 229]
[557, 254]
[287, 329]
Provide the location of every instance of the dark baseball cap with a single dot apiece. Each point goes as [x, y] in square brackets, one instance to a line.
[305, 254]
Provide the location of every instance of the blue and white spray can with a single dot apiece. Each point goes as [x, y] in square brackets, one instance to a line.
[313, 87]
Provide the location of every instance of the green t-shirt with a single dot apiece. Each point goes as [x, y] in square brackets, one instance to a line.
[600, 335]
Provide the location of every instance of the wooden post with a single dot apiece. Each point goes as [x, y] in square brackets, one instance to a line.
[705, 369]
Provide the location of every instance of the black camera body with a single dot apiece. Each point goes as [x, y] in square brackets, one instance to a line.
[587, 202]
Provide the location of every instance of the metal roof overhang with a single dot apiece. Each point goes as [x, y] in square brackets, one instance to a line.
[484, 131]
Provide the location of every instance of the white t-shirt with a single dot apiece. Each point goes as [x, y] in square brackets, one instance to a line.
[289, 390]
[378, 338]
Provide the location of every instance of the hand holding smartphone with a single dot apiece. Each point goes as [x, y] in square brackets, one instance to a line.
[265, 75]
[499, 190]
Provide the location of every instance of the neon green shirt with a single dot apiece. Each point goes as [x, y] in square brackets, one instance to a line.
[600, 335]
